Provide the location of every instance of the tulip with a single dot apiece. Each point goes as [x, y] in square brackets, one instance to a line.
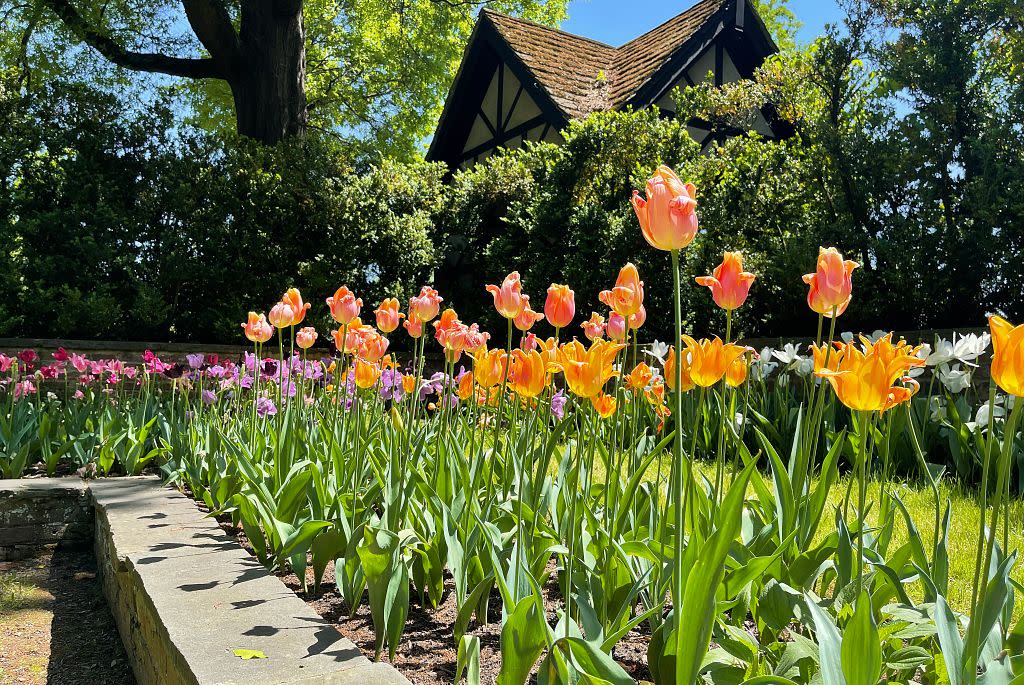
[414, 327]
[408, 383]
[344, 305]
[425, 306]
[293, 298]
[831, 285]
[466, 386]
[616, 328]
[366, 373]
[736, 374]
[1007, 355]
[627, 297]
[372, 346]
[281, 315]
[826, 357]
[475, 338]
[604, 405]
[527, 317]
[687, 383]
[388, 316]
[640, 377]
[730, 283]
[637, 320]
[306, 337]
[667, 217]
[527, 373]
[865, 376]
[587, 370]
[257, 329]
[709, 359]
[508, 297]
[560, 307]
[489, 367]
[594, 328]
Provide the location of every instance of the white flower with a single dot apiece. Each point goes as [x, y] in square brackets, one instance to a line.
[51, 396]
[953, 378]
[964, 349]
[658, 350]
[922, 353]
[937, 407]
[788, 355]
[997, 412]
[873, 337]
[805, 366]
[847, 336]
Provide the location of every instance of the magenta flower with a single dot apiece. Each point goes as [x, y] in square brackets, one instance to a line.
[265, 407]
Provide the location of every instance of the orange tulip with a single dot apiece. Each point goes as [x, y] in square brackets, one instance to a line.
[709, 359]
[305, 337]
[527, 374]
[489, 367]
[1007, 355]
[865, 376]
[834, 355]
[367, 373]
[293, 298]
[257, 329]
[466, 386]
[413, 326]
[667, 217]
[587, 370]
[656, 393]
[616, 327]
[372, 346]
[640, 377]
[388, 316]
[627, 297]
[736, 374]
[281, 315]
[408, 383]
[425, 306]
[831, 285]
[594, 328]
[730, 283]
[508, 297]
[527, 317]
[344, 305]
[560, 307]
[687, 383]
[604, 404]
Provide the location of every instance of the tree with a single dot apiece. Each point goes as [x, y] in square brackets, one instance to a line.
[373, 70]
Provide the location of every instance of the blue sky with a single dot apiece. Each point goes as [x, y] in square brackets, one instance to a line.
[617, 21]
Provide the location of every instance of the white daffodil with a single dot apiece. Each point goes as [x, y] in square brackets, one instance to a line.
[965, 349]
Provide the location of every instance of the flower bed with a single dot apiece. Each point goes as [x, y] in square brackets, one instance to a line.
[552, 488]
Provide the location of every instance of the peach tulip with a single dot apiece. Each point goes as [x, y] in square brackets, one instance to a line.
[257, 329]
[1007, 355]
[637, 320]
[388, 316]
[425, 306]
[508, 297]
[281, 315]
[668, 216]
[616, 327]
[831, 285]
[413, 326]
[730, 283]
[594, 328]
[344, 305]
[293, 298]
[305, 337]
[627, 297]
[527, 317]
[560, 307]
[372, 346]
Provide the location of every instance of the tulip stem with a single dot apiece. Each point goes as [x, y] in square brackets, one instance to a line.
[677, 459]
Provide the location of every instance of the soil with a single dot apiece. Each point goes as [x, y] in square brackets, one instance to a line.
[427, 654]
[55, 626]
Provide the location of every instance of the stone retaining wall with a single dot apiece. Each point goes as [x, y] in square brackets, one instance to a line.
[43, 511]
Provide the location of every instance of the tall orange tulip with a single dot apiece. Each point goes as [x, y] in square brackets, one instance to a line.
[865, 376]
[293, 299]
[425, 306]
[640, 377]
[489, 367]
[687, 383]
[344, 305]
[668, 217]
[1007, 355]
[257, 329]
[627, 297]
[587, 370]
[729, 283]
[709, 359]
[508, 297]
[831, 284]
[466, 386]
[388, 316]
[736, 374]
[560, 306]
[366, 373]
[527, 374]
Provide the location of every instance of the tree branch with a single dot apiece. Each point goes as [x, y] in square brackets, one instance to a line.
[139, 61]
[212, 25]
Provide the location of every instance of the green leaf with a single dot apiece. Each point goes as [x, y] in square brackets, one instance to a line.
[249, 654]
[829, 645]
[860, 652]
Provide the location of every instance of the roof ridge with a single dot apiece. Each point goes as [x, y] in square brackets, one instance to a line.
[488, 10]
[671, 19]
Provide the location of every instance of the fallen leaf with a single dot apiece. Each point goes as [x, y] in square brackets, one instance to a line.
[250, 654]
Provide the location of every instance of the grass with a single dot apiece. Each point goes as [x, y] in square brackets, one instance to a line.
[12, 593]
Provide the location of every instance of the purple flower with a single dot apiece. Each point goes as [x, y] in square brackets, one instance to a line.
[558, 401]
[245, 382]
[391, 385]
[217, 371]
[209, 397]
[195, 360]
[265, 407]
[249, 360]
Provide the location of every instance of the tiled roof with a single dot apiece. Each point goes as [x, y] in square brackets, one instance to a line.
[570, 67]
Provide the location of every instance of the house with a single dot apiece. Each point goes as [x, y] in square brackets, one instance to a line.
[520, 81]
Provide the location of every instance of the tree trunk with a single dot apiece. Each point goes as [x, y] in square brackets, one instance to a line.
[269, 83]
